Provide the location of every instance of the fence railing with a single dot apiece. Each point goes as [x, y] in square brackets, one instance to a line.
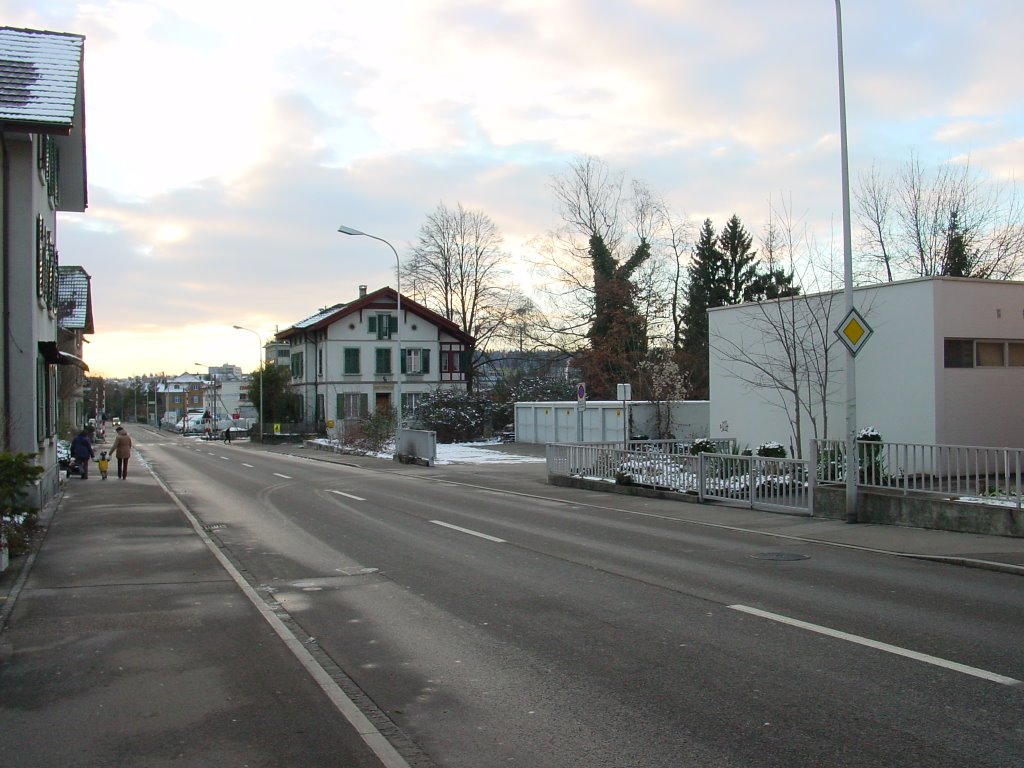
[991, 475]
[755, 481]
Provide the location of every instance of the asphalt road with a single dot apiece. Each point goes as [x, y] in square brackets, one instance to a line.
[500, 629]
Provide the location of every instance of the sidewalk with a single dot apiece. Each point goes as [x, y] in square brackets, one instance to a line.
[128, 644]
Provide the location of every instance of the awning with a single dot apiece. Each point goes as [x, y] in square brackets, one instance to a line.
[54, 356]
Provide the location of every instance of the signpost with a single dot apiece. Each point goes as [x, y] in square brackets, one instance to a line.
[624, 393]
[581, 405]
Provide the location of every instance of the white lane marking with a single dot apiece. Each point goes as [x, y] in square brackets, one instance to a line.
[225, 458]
[894, 649]
[349, 495]
[286, 477]
[247, 465]
[467, 530]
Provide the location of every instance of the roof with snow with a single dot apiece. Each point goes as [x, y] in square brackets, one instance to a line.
[74, 299]
[39, 78]
[382, 298]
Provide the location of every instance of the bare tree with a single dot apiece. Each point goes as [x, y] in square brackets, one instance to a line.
[947, 222]
[459, 269]
[594, 272]
[789, 366]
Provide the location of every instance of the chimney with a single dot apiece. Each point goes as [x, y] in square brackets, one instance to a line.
[362, 291]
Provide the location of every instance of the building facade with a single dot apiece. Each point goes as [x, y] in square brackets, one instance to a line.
[42, 154]
[944, 365]
[345, 360]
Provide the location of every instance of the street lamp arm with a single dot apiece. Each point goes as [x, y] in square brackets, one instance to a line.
[398, 332]
[260, 366]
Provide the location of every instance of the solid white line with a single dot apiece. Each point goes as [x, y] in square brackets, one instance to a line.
[374, 739]
[286, 477]
[349, 495]
[470, 532]
[894, 649]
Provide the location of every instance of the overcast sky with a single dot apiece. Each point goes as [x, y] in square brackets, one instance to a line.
[227, 140]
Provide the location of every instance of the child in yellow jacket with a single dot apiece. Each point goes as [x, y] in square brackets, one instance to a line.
[103, 463]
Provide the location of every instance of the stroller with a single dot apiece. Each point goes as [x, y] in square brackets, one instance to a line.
[73, 468]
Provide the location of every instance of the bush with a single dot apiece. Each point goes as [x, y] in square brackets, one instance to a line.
[454, 415]
[771, 450]
[703, 445]
[17, 518]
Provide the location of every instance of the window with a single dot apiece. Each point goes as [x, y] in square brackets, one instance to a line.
[352, 405]
[298, 369]
[383, 360]
[351, 360]
[411, 401]
[959, 353]
[450, 362]
[989, 354]
[1015, 356]
[978, 353]
[382, 325]
[320, 363]
[416, 361]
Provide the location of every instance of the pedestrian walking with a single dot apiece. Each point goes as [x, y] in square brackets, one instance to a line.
[122, 450]
[103, 464]
[81, 452]
[227, 434]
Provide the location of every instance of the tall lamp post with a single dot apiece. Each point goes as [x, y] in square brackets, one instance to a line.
[851, 369]
[398, 331]
[261, 365]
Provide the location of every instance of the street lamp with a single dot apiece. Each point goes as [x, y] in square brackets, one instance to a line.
[398, 331]
[851, 368]
[261, 364]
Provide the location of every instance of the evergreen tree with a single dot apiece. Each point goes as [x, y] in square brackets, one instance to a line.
[706, 288]
[771, 284]
[740, 262]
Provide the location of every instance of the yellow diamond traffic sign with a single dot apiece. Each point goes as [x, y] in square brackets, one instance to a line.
[854, 331]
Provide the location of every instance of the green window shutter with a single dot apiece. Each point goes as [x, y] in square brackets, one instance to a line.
[465, 358]
[383, 360]
[364, 405]
[425, 360]
[351, 360]
[401, 356]
[340, 407]
[371, 324]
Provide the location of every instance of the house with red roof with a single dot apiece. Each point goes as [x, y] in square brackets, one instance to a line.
[345, 361]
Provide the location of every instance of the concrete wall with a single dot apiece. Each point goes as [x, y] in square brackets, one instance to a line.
[603, 421]
[895, 508]
[903, 387]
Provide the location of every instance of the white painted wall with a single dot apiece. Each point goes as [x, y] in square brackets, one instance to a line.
[903, 388]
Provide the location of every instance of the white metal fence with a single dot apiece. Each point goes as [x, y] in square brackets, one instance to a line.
[990, 475]
[754, 481]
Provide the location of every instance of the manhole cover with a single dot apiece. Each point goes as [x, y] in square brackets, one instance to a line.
[779, 556]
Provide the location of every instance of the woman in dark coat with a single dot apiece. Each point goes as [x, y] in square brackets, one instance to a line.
[81, 452]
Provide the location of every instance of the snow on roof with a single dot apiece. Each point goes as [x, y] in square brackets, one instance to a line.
[39, 75]
[314, 319]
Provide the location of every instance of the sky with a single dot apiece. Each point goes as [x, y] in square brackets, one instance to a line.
[228, 140]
